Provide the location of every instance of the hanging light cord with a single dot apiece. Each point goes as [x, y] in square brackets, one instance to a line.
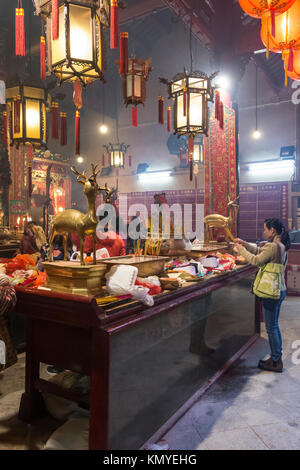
[191, 40]
[256, 105]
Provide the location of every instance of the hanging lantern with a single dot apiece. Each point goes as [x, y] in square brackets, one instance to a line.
[77, 52]
[116, 154]
[32, 114]
[266, 9]
[195, 90]
[134, 83]
[198, 150]
[287, 37]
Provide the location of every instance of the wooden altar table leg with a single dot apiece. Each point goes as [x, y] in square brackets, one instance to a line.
[32, 403]
[99, 395]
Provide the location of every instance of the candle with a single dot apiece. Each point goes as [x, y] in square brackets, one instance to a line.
[18, 223]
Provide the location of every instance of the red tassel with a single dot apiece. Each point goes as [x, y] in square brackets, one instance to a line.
[55, 19]
[43, 58]
[123, 53]
[22, 32]
[77, 132]
[63, 129]
[180, 154]
[273, 22]
[5, 129]
[161, 118]
[187, 156]
[221, 115]
[169, 118]
[114, 24]
[129, 160]
[103, 159]
[19, 32]
[191, 144]
[134, 116]
[17, 112]
[291, 61]
[29, 179]
[184, 101]
[217, 104]
[54, 111]
[77, 94]
[29, 152]
[190, 152]
[191, 167]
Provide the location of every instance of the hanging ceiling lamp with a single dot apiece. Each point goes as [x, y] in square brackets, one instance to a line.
[266, 9]
[116, 154]
[74, 39]
[287, 37]
[27, 109]
[134, 73]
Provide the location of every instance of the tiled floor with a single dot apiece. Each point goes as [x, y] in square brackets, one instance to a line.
[246, 409]
[249, 408]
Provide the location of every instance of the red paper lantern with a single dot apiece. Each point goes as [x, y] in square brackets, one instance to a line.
[259, 8]
[287, 37]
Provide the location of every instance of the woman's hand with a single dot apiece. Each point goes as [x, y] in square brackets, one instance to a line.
[240, 241]
[237, 247]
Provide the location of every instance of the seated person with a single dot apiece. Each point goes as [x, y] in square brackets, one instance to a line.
[28, 244]
[105, 239]
[58, 247]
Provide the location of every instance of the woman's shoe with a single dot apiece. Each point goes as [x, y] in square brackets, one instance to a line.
[270, 365]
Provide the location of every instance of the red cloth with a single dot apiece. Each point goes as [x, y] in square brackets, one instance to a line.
[113, 243]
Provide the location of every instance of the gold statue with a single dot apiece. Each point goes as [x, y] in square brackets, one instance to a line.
[73, 221]
[219, 221]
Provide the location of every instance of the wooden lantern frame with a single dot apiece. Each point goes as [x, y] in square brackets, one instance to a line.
[65, 69]
[25, 93]
[111, 150]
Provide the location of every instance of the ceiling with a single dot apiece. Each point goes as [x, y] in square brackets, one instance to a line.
[230, 34]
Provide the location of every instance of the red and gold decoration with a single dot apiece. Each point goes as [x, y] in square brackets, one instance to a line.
[266, 9]
[27, 119]
[19, 30]
[161, 117]
[75, 45]
[116, 154]
[220, 172]
[30, 156]
[134, 80]
[114, 24]
[43, 58]
[55, 18]
[287, 37]
[5, 129]
[123, 53]
[63, 129]
[54, 114]
[295, 73]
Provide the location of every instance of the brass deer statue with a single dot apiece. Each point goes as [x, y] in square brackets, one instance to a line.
[219, 221]
[73, 221]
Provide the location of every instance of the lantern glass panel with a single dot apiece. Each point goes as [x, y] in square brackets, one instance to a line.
[137, 86]
[177, 86]
[31, 92]
[196, 115]
[181, 119]
[33, 119]
[81, 42]
[198, 83]
[129, 86]
[59, 45]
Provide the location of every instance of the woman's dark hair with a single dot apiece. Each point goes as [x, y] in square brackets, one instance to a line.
[278, 226]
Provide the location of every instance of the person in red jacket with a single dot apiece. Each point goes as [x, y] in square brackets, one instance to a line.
[106, 238]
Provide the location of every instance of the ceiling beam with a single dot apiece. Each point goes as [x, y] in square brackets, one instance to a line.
[139, 9]
[183, 9]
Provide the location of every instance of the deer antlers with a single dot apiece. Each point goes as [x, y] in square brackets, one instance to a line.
[79, 175]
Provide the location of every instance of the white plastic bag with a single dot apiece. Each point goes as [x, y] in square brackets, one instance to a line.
[121, 279]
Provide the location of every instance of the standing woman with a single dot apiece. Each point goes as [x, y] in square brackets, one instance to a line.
[274, 251]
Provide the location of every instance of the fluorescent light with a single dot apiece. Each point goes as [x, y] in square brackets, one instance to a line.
[272, 166]
[154, 176]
